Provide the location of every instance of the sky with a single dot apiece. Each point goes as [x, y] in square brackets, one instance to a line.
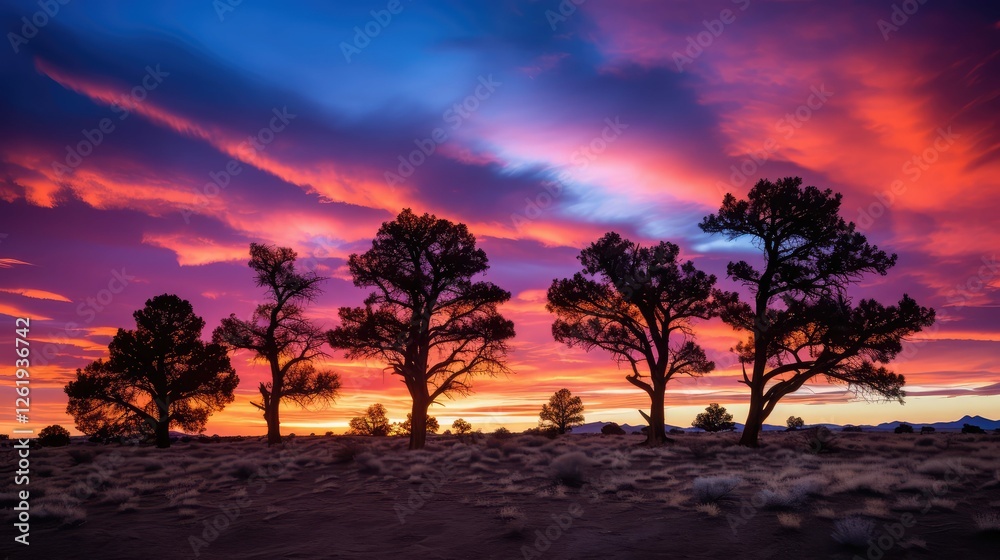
[146, 146]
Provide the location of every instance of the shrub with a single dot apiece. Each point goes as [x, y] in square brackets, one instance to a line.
[676, 431]
[570, 469]
[850, 428]
[853, 531]
[328, 434]
[820, 439]
[987, 521]
[927, 430]
[972, 429]
[347, 452]
[81, 456]
[794, 423]
[502, 433]
[612, 429]
[373, 422]
[714, 419]
[924, 442]
[904, 429]
[550, 433]
[53, 436]
[709, 489]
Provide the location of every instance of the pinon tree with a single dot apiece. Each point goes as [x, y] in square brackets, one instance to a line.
[461, 426]
[280, 335]
[800, 321]
[638, 304]
[373, 422]
[426, 318]
[714, 419]
[161, 373]
[562, 412]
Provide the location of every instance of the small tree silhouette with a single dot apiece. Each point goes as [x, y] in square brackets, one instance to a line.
[794, 423]
[373, 422]
[562, 412]
[612, 429]
[714, 419]
[53, 436]
[461, 427]
[972, 429]
[904, 429]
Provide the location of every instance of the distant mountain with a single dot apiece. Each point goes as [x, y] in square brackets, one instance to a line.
[984, 423]
[595, 428]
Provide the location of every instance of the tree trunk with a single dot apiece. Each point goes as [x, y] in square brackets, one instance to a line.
[273, 424]
[418, 424]
[656, 435]
[755, 418]
[162, 433]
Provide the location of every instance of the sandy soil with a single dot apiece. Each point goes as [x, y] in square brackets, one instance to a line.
[577, 496]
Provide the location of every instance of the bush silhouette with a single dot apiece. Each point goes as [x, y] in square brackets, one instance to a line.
[794, 423]
[850, 428]
[373, 422]
[904, 429]
[714, 419]
[972, 429]
[562, 412]
[53, 436]
[612, 429]
[461, 426]
[927, 430]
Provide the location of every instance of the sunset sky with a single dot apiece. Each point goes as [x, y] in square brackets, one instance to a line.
[548, 129]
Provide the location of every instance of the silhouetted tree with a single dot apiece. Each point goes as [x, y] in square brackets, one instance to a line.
[159, 373]
[800, 321]
[972, 429]
[714, 419]
[562, 412]
[404, 428]
[612, 429]
[903, 429]
[53, 436]
[427, 319]
[461, 427]
[280, 335]
[794, 423]
[373, 422]
[637, 303]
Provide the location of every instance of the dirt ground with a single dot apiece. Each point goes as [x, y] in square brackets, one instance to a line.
[578, 496]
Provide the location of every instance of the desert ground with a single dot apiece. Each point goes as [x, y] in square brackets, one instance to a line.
[801, 495]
